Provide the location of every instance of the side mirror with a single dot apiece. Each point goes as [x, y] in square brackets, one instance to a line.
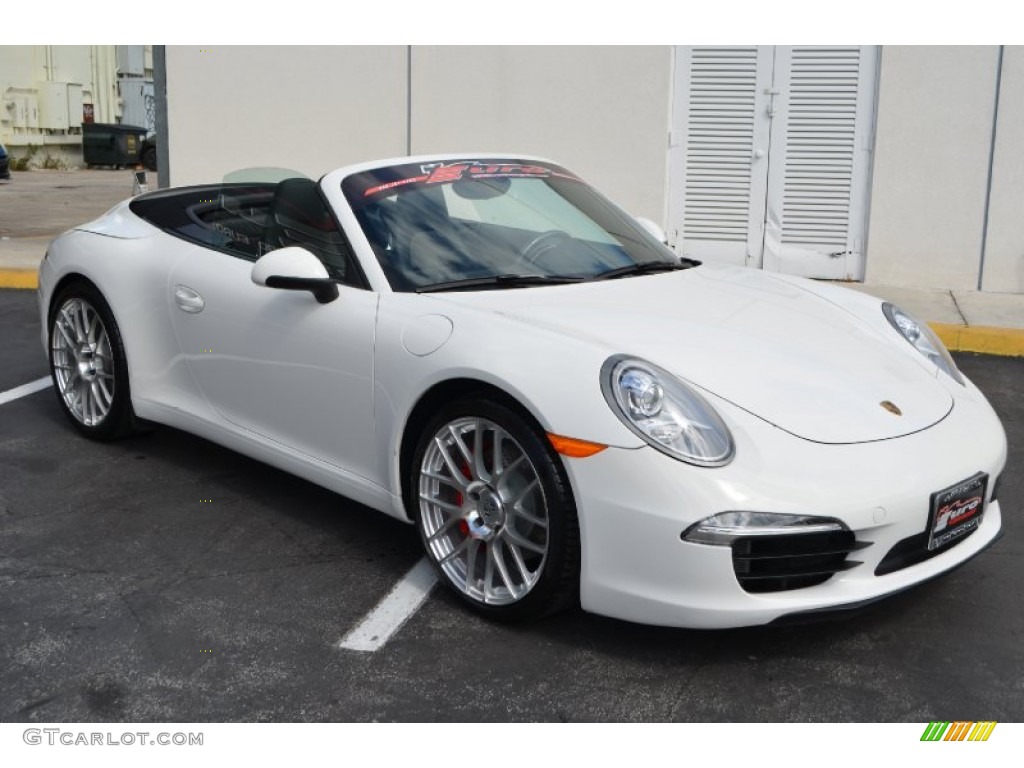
[654, 229]
[295, 269]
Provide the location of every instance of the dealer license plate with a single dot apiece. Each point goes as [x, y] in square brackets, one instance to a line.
[956, 511]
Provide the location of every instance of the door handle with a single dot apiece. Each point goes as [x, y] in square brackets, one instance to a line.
[188, 300]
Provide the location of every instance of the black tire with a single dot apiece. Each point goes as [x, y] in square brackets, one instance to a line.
[556, 584]
[119, 419]
[148, 158]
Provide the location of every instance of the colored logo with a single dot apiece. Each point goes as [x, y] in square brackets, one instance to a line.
[958, 731]
[959, 510]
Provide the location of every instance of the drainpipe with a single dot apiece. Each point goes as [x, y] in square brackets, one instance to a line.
[991, 162]
[98, 96]
[162, 133]
[92, 81]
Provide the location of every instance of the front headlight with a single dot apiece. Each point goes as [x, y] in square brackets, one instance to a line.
[665, 412]
[923, 339]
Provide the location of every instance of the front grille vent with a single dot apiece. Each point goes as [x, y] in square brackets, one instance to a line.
[791, 561]
[913, 550]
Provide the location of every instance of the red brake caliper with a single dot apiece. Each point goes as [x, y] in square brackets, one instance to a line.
[463, 525]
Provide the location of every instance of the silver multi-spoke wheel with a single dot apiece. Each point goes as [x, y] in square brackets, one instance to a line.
[483, 511]
[83, 362]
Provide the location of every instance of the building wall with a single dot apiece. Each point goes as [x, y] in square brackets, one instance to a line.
[309, 108]
[601, 111]
[932, 145]
[1004, 248]
[24, 72]
[604, 112]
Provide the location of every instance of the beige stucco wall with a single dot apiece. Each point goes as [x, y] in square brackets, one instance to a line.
[601, 111]
[307, 108]
[1004, 251]
[934, 129]
[604, 112]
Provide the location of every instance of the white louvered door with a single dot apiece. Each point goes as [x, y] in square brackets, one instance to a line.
[770, 158]
[819, 160]
[719, 166]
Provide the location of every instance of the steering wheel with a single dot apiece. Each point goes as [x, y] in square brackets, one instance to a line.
[542, 243]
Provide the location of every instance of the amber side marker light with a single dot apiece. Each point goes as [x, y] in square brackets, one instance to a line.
[577, 449]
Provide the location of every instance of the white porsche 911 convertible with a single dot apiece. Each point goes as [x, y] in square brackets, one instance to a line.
[568, 412]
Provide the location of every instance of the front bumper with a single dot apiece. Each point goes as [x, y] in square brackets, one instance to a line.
[634, 504]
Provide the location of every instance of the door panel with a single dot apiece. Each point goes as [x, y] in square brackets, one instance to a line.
[820, 153]
[276, 362]
[721, 160]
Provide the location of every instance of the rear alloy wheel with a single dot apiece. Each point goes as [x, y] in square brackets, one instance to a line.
[494, 510]
[87, 363]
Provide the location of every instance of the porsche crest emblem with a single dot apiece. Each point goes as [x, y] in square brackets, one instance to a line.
[891, 407]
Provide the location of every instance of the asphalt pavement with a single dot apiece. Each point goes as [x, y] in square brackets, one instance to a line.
[163, 578]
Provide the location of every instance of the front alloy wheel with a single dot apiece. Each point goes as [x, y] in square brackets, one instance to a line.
[494, 512]
[87, 363]
[83, 362]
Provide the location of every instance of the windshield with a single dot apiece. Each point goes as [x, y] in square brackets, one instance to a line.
[441, 223]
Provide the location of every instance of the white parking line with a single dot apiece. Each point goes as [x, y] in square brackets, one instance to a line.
[25, 389]
[393, 611]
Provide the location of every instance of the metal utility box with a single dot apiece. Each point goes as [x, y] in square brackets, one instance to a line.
[111, 143]
[60, 105]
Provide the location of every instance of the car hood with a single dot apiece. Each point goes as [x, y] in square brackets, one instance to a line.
[772, 348]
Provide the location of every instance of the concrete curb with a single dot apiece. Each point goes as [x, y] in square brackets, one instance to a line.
[1007, 342]
[19, 278]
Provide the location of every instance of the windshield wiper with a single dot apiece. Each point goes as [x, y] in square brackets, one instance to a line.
[645, 269]
[497, 281]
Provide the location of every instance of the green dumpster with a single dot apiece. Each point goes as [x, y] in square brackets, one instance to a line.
[111, 143]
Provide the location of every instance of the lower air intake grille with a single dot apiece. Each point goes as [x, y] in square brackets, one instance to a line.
[911, 551]
[791, 561]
